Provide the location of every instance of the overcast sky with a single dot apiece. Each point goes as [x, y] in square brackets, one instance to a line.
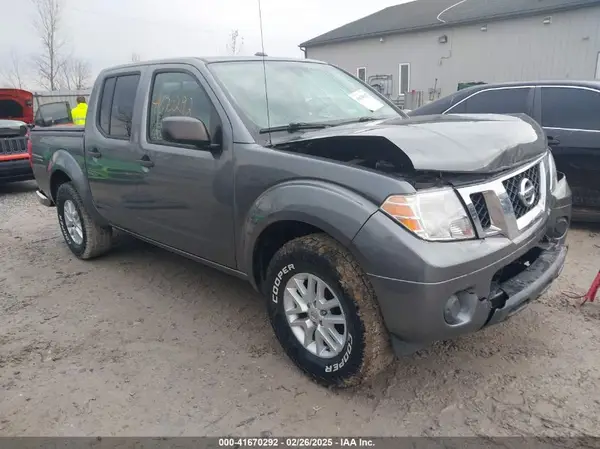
[107, 32]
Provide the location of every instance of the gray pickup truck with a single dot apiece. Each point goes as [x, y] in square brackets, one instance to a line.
[369, 233]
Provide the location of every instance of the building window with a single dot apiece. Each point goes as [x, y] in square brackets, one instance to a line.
[403, 78]
[361, 73]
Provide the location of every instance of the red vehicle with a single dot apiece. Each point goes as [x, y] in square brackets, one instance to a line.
[16, 115]
[16, 104]
[16, 118]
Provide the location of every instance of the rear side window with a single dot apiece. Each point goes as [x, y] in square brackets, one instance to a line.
[107, 96]
[116, 106]
[502, 101]
[570, 108]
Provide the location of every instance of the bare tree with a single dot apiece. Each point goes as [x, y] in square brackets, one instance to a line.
[135, 57]
[47, 24]
[14, 73]
[236, 42]
[76, 74]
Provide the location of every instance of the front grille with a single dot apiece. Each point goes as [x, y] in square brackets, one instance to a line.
[481, 209]
[513, 185]
[13, 145]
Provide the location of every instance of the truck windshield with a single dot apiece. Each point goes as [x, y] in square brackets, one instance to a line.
[298, 92]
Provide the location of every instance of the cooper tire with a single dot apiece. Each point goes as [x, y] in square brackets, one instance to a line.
[95, 240]
[366, 350]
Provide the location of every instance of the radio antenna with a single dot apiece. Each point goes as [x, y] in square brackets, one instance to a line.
[262, 44]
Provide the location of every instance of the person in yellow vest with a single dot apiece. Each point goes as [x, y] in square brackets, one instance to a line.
[79, 112]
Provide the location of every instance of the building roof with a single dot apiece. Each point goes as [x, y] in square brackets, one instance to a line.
[423, 14]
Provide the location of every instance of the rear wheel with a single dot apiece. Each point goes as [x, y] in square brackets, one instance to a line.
[324, 312]
[85, 238]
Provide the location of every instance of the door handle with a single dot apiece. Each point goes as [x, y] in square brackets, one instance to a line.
[552, 141]
[146, 162]
[95, 153]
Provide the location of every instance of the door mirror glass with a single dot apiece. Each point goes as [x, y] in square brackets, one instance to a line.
[186, 130]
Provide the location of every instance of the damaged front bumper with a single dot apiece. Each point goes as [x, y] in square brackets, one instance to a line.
[417, 282]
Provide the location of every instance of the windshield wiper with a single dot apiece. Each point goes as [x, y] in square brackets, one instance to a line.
[362, 119]
[294, 126]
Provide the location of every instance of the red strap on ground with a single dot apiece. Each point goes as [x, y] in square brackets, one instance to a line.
[591, 294]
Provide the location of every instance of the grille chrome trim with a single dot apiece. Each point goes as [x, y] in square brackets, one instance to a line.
[500, 208]
[13, 145]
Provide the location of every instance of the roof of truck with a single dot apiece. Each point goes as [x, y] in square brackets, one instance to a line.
[210, 60]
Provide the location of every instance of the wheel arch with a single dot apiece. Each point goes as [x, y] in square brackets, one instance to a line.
[296, 209]
[65, 168]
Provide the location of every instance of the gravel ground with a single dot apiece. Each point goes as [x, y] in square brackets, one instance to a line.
[144, 342]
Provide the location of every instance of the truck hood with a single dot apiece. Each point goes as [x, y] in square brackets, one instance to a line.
[461, 143]
[10, 128]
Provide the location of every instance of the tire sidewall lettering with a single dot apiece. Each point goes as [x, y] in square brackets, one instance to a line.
[277, 282]
[329, 370]
[339, 365]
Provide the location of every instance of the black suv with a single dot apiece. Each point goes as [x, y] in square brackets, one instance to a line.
[569, 112]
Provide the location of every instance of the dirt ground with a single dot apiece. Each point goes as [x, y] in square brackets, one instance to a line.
[146, 343]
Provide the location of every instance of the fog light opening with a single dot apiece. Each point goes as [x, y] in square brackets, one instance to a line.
[452, 310]
[561, 227]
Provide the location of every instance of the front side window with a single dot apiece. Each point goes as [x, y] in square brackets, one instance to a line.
[179, 94]
[570, 108]
[500, 101]
[298, 92]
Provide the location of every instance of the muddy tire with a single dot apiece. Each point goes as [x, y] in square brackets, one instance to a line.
[324, 312]
[83, 236]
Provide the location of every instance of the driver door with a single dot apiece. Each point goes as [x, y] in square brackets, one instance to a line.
[186, 201]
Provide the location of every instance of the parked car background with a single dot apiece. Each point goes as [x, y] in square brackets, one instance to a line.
[569, 112]
[14, 156]
[16, 104]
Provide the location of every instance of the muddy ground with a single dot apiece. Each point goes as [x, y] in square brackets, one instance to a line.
[144, 342]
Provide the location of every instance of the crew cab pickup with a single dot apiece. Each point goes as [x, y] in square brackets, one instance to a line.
[368, 233]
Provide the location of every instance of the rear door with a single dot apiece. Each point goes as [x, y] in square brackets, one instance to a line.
[499, 100]
[570, 117]
[111, 153]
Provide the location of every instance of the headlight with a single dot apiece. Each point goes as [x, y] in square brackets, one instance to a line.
[552, 175]
[436, 215]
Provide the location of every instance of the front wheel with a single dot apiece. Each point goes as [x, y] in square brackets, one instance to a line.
[85, 238]
[324, 312]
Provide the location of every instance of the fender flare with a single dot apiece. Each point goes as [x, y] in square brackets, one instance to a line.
[336, 210]
[65, 162]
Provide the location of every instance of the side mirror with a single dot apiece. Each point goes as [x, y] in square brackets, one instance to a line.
[187, 130]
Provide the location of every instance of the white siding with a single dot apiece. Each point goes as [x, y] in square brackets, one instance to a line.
[511, 50]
